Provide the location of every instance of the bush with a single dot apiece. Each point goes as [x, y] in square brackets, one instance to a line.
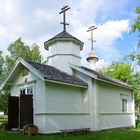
[3, 126]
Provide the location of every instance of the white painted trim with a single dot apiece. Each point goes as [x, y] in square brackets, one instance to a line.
[30, 82]
[124, 95]
[95, 77]
[26, 64]
[30, 67]
[116, 113]
[27, 86]
[5, 81]
[133, 105]
[51, 113]
[91, 105]
[95, 105]
[47, 44]
[83, 71]
[63, 83]
[114, 84]
[63, 54]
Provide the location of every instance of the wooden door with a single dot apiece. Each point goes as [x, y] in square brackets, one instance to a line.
[13, 112]
[26, 109]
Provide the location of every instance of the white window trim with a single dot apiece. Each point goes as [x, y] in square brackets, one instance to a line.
[124, 105]
[26, 87]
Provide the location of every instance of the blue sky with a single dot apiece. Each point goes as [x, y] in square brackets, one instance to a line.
[38, 20]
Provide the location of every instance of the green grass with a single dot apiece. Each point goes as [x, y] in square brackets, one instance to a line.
[104, 135]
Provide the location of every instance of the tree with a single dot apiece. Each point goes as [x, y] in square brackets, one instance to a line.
[35, 53]
[130, 58]
[122, 71]
[135, 81]
[4, 101]
[136, 24]
[16, 49]
[118, 70]
[19, 49]
[1, 66]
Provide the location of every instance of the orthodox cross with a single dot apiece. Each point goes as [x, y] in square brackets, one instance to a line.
[63, 10]
[91, 28]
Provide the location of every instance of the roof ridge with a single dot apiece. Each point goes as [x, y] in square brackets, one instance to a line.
[63, 32]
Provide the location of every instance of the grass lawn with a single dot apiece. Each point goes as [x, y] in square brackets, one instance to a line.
[131, 134]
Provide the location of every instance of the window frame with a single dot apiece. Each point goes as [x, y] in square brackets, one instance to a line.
[124, 105]
[29, 90]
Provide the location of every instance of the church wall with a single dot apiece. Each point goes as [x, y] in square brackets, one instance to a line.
[20, 82]
[91, 96]
[38, 93]
[110, 106]
[65, 47]
[61, 54]
[66, 107]
[39, 105]
[53, 123]
[39, 102]
[15, 90]
[62, 62]
[72, 102]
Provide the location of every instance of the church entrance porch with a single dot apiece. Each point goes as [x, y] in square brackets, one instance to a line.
[20, 111]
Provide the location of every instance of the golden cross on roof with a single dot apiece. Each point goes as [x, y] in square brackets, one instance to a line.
[63, 10]
[90, 29]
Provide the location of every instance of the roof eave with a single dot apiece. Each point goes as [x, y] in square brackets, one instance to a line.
[97, 78]
[64, 83]
[22, 61]
[83, 71]
[7, 78]
[113, 83]
[49, 42]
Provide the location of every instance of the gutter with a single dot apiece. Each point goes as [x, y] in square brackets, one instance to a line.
[69, 84]
[127, 87]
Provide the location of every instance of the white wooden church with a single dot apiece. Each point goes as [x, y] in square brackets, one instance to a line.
[62, 94]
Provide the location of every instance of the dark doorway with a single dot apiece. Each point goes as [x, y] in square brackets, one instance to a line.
[26, 109]
[20, 111]
[13, 112]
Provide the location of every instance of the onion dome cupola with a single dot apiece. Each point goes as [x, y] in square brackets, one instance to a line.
[63, 49]
[92, 57]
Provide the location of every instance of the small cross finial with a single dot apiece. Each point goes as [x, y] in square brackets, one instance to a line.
[90, 29]
[63, 10]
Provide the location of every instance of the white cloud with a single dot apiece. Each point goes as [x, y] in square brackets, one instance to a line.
[37, 21]
[101, 63]
[42, 15]
[105, 35]
[112, 30]
[85, 13]
[2, 29]
[9, 10]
